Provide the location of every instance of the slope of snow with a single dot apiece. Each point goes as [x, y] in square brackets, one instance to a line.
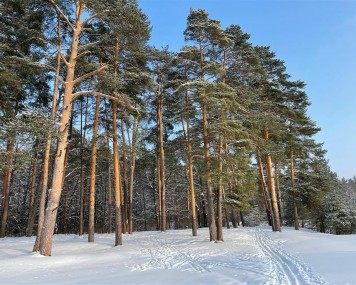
[248, 256]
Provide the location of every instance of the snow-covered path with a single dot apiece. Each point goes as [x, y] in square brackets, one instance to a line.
[247, 256]
[285, 268]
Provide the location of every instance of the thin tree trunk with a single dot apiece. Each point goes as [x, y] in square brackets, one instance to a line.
[296, 220]
[117, 185]
[109, 197]
[220, 190]
[227, 219]
[159, 189]
[163, 221]
[190, 172]
[32, 209]
[109, 175]
[278, 192]
[233, 219]
[220, 162]
[242, 219]
[271, 186]
[211, 211]
[132, 171]
[6, 184]
[91, 229]
[82, 142]
[124, 178]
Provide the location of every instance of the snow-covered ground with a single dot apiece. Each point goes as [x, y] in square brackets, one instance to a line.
[248, 256]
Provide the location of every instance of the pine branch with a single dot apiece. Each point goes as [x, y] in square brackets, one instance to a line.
[51, 67]
[81, 78]
[63, 58]
[115, 98]
[90, 92]
[82, 54]
[62, 14]
[87, 20]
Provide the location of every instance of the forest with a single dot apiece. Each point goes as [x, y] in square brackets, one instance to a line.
[101, 132]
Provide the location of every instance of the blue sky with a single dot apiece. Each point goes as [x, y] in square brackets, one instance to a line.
[315, 38]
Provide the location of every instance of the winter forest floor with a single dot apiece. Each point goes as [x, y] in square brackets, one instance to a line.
[248, 256]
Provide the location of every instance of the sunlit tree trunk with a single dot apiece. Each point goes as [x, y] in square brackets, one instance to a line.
[211, 211]
[265, 194]
[278, 192]
[220, 190]
[159, 98]
[93, 173]
[45, 247]
[271, 186]
[82, 142]
[117, 181]
[132, 172]
[124, 179]
[190, 171]
[295, 209]
[46, 157]
[159, 189]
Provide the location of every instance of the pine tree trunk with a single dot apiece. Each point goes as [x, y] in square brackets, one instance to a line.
[117, 180]
[132, 172]
[163, 221]
[242, 219]
[233, 219]
[6, 187]
[190, 173]
[58, 172]
[32, 209]
[82, 142]
[41, 210]
[220, 159]
[295, 209]
[279, 195]
[211, 211]
[109, 190]
[117, 184]
[271, 186]
[46, 158]
[124, 180]
[159, 189]
[91, 229]
[264, 190]
[227, 219]
[109, 198]
[220, 190]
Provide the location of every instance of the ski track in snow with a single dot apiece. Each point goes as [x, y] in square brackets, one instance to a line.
[165, 255]
[247, 256]
[266, 260]
[285, 269]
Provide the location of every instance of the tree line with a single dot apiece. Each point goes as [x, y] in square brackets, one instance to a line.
[102, 132]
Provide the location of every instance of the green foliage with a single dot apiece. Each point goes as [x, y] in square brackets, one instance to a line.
[245, 88]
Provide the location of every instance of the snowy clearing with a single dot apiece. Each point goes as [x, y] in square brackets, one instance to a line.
[248, 256]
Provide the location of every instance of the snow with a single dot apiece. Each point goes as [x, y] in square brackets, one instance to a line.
[247, 256]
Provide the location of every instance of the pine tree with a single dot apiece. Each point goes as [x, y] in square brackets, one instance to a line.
[206, 34]
[22, 25]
